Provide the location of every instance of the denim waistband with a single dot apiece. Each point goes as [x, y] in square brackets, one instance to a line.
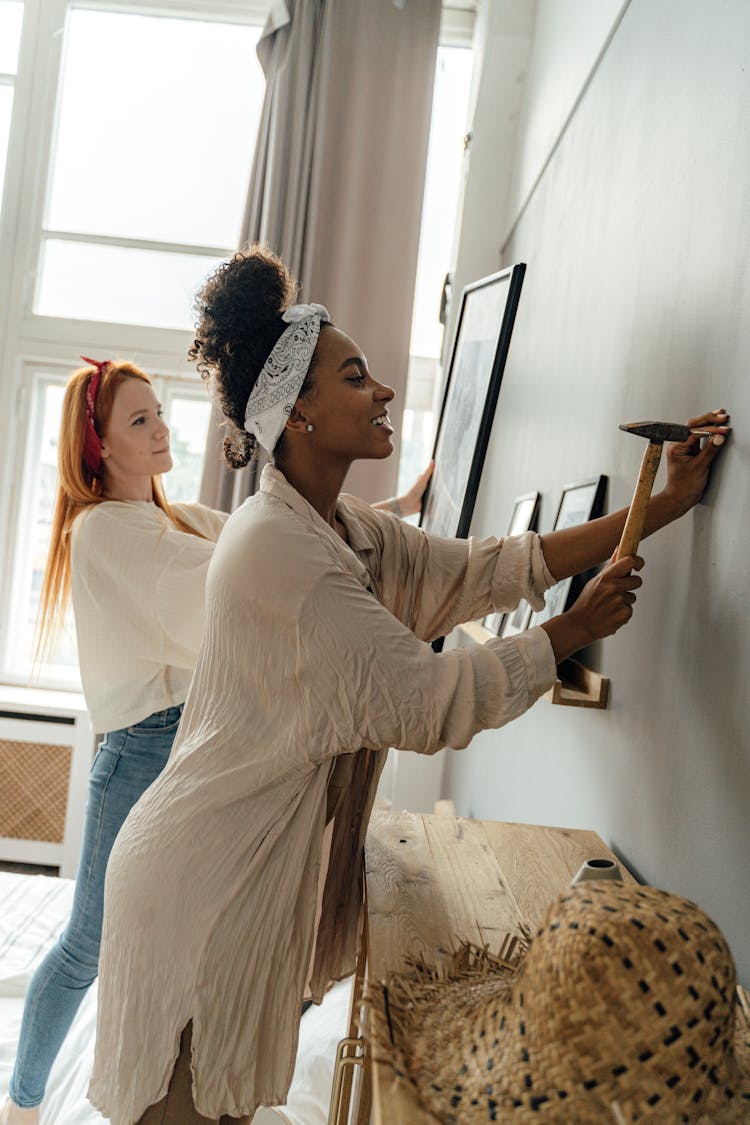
[158, 719]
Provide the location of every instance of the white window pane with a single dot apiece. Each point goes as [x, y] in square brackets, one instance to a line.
[6, 109]
[157, 124]
[188, 424]
[442, 189]
[450, 109]
[122, 285]
[33, 545]
[11, 18]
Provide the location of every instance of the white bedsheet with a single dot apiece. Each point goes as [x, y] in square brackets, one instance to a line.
[33, 911]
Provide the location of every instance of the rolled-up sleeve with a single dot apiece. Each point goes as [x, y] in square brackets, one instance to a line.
[368, 681]
[433, 584]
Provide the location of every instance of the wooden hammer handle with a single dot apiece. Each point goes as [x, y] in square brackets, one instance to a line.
[633, 530]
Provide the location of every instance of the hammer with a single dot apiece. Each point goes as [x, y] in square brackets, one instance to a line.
[657, 433]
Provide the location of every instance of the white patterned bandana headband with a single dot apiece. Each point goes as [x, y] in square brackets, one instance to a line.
[277, 388]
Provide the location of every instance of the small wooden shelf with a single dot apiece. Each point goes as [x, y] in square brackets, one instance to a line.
[579, 686]
[576, 686]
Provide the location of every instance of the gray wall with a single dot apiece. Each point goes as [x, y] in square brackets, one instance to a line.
[636, 304]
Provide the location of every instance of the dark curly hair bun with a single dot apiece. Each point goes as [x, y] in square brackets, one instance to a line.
[240, 448]
[238, 322]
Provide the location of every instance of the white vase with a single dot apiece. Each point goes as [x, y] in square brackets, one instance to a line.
[597, 869]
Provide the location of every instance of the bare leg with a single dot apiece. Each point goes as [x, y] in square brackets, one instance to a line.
[11, 1114]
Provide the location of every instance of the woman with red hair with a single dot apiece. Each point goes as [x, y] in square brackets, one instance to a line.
[135, 567]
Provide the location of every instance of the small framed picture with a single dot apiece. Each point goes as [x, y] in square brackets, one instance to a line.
[525, 512]
[579, 504]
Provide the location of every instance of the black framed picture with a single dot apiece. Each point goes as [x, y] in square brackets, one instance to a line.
[485, 324]
[579, 503]
[525, 512]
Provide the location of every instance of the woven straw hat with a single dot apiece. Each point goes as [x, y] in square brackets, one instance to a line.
[623, 1008]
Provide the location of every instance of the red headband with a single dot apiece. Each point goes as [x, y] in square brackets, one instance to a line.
[92, 445]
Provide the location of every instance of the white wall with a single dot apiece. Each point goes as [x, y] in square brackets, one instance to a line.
[502, 40]
[569, 36]
[521, 101]
[636, 304]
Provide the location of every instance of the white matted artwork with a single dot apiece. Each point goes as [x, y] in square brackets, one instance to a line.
[579, 503]
[475, 372]
[524, 518]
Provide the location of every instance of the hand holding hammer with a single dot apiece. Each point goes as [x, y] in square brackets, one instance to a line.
[656, 433]
[606, 601]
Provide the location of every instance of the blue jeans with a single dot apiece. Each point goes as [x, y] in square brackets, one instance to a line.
[126, 763]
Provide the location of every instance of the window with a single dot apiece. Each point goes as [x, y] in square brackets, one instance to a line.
[136, 209]
[187, 409]
[117, 283]
[443, 180]
[114, 213]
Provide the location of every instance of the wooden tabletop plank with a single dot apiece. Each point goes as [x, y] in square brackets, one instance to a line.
[433, 882]
[404, 917]
[403, 897]
[478, 903]
[540, 861]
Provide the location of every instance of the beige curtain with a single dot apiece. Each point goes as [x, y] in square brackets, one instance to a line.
[337, 183]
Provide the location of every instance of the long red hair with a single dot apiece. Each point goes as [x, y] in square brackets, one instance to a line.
[78, 488]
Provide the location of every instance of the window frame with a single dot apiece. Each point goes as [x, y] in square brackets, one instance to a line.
[38, 376]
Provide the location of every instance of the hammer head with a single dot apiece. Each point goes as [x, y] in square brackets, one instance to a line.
[658, 431]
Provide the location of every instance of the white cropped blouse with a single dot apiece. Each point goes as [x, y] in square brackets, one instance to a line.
[138, 587]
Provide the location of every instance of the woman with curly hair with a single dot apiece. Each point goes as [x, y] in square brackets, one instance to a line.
[136, 566]
[234, 890]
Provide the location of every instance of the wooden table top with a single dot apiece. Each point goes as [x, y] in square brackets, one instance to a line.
[434, 881]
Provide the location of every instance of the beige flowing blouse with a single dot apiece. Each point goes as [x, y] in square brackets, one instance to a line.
[313, 663]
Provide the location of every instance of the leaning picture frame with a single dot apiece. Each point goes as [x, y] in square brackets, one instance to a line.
[475, 372]
[579, 503]
[524, 517]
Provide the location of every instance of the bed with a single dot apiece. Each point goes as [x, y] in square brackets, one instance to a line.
[33, 911]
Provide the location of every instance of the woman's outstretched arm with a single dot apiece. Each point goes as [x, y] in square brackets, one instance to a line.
[576, 549]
